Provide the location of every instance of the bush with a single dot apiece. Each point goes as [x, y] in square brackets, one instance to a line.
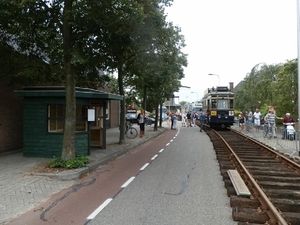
[78, 162]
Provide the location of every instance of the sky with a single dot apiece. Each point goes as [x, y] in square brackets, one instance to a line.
[228, 38]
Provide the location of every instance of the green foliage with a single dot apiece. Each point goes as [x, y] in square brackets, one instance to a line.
[237, 112]
[270, 85]
[78, 162]
[182, 103]
[57, 163]
[69, 42]
[151, 115]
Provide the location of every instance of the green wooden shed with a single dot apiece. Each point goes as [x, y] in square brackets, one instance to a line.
[44, 115]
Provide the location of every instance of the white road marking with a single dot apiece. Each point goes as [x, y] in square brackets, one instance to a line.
[107, 201]
[127, 182]
[147, 164]
[99, 209]
[154, 157]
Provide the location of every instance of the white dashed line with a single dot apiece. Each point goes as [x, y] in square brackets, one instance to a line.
[99, 209]
[154, 157]
[127, 182]
[144, 167]
[107, 201]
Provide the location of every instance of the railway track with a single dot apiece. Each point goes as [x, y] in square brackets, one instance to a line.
[272, 179]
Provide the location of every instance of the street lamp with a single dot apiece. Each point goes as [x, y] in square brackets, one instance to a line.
[196, 94]
[211, 74]
[265, 64]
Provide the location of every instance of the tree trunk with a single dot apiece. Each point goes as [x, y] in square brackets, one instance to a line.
[68, 150]
[122, 113]
[145, 103]
[156, 117]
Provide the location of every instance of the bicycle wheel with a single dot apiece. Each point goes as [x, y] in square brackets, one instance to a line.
[131, 133]
[265, 131]
[270, 133]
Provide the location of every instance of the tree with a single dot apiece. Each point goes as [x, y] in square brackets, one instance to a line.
[129, 37]
[68, 42]
[53, 47]
[159, 70]
[275, 85]
[286, 89]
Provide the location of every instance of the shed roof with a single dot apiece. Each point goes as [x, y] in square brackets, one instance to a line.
[60, 91]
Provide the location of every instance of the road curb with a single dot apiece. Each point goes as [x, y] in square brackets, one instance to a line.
[77, 173]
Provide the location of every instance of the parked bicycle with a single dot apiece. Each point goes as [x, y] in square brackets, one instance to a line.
[130, 131]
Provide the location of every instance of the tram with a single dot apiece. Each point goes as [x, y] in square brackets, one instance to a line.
[218, 104]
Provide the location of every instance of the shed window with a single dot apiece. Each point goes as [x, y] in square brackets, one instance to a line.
[56, 117]
[81, 118]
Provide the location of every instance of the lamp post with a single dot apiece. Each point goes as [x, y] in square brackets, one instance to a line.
[265, 64]
[196, 94]
[188, 102]
[298, 53]
[211, 74]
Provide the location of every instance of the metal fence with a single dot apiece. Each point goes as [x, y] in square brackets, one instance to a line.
[279, 142]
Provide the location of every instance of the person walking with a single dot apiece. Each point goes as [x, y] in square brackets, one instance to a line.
[249, 119]
[188, 115]
[257, 118]
[270, 118]
[183, 120]
[174, 122]
[141, 121]
[202, 118]
[195, 116]
[241, 122]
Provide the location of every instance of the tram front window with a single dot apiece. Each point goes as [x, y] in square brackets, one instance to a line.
[222, 104]
[214, 103]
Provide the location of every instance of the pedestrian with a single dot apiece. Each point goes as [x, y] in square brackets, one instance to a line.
[188, 116]
[174, 122]
[183, 120]
[195, 116]
[241, 122]
[141, 122]
[202, 118]
[257, 118]
[249, 119]
[270, 119]
[286, 120]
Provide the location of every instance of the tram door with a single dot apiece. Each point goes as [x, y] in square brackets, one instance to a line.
[97, 127]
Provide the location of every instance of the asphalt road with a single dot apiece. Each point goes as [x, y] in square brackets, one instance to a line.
[175, 179]
[182, 185]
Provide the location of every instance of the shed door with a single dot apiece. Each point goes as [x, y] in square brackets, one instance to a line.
[97, 128]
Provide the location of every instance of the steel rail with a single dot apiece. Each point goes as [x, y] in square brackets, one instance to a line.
[276, 155]
[270, 209]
